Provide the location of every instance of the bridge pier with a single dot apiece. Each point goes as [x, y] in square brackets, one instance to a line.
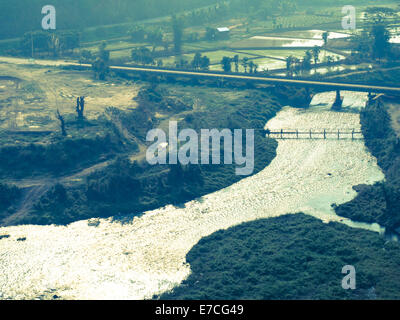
[371, 97]
[337, 105]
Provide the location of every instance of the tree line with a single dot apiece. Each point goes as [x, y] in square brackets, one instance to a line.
[21, 16]
[47, 43]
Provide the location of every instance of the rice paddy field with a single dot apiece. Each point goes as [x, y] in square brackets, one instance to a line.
[313, 34]
[267, 51]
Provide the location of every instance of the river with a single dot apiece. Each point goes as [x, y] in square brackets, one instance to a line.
[146, 255]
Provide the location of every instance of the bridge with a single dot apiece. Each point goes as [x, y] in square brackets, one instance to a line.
[310, 134]
[324, 85]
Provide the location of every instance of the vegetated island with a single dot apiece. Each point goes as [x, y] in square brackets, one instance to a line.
[294, 256]
[380, 202]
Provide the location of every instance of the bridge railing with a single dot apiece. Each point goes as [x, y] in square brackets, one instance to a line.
[314, 134]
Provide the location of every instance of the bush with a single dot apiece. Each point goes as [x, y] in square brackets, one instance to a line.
[290, 257]
[8, 194]
[56, 158]
[379, 203]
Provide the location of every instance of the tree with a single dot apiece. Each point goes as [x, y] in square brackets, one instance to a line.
[289, 65]
[236, 62]
[211, 34]
[329, 60]
[255, 70]
[80, 107]
[177, 29]
[142, 55]
[245, 63]
[35, 41]
[69, 40]
[103, 53]
[137, 33]
[380, 40]
[196, 62]
[86, 56]
[362, 43]
[379, 14]
[307, 60]
[100, 68]
[155, 37]
[205, 63]
[251, 66]
[181, 63]
[376, 120]
[62, 123]
[325, 37]
[296, 65]
[315, 52]
[226, 64]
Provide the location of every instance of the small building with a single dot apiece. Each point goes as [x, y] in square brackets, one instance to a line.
[222, 33]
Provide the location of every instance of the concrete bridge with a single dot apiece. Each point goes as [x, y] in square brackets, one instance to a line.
[316, 84]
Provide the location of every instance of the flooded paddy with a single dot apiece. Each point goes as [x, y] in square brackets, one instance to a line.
[275, 59]
[106, 259]
[269, 41]
[314, 34]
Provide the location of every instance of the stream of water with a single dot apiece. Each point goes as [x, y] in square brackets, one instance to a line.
[146, 256]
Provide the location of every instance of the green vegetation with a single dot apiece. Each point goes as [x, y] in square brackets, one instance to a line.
[43, 44]
[290, 257]
[88, 141]
[24, 15]
[8, 195]
[132, 187]
[373, 42]
[381, 202]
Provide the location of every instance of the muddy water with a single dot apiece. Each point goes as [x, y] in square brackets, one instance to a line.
[147, 255]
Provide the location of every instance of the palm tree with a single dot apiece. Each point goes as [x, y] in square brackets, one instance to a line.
[330, 60]
[251, 66]
[226, 64]
[178, 29]
[245, 63]
[325, 37]
[236, 62]
[255, 68]
[196, 63]
[296, 65]
[155, 37]
[205, 63]
[316, 51]
[289, 63]
[307, 60]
